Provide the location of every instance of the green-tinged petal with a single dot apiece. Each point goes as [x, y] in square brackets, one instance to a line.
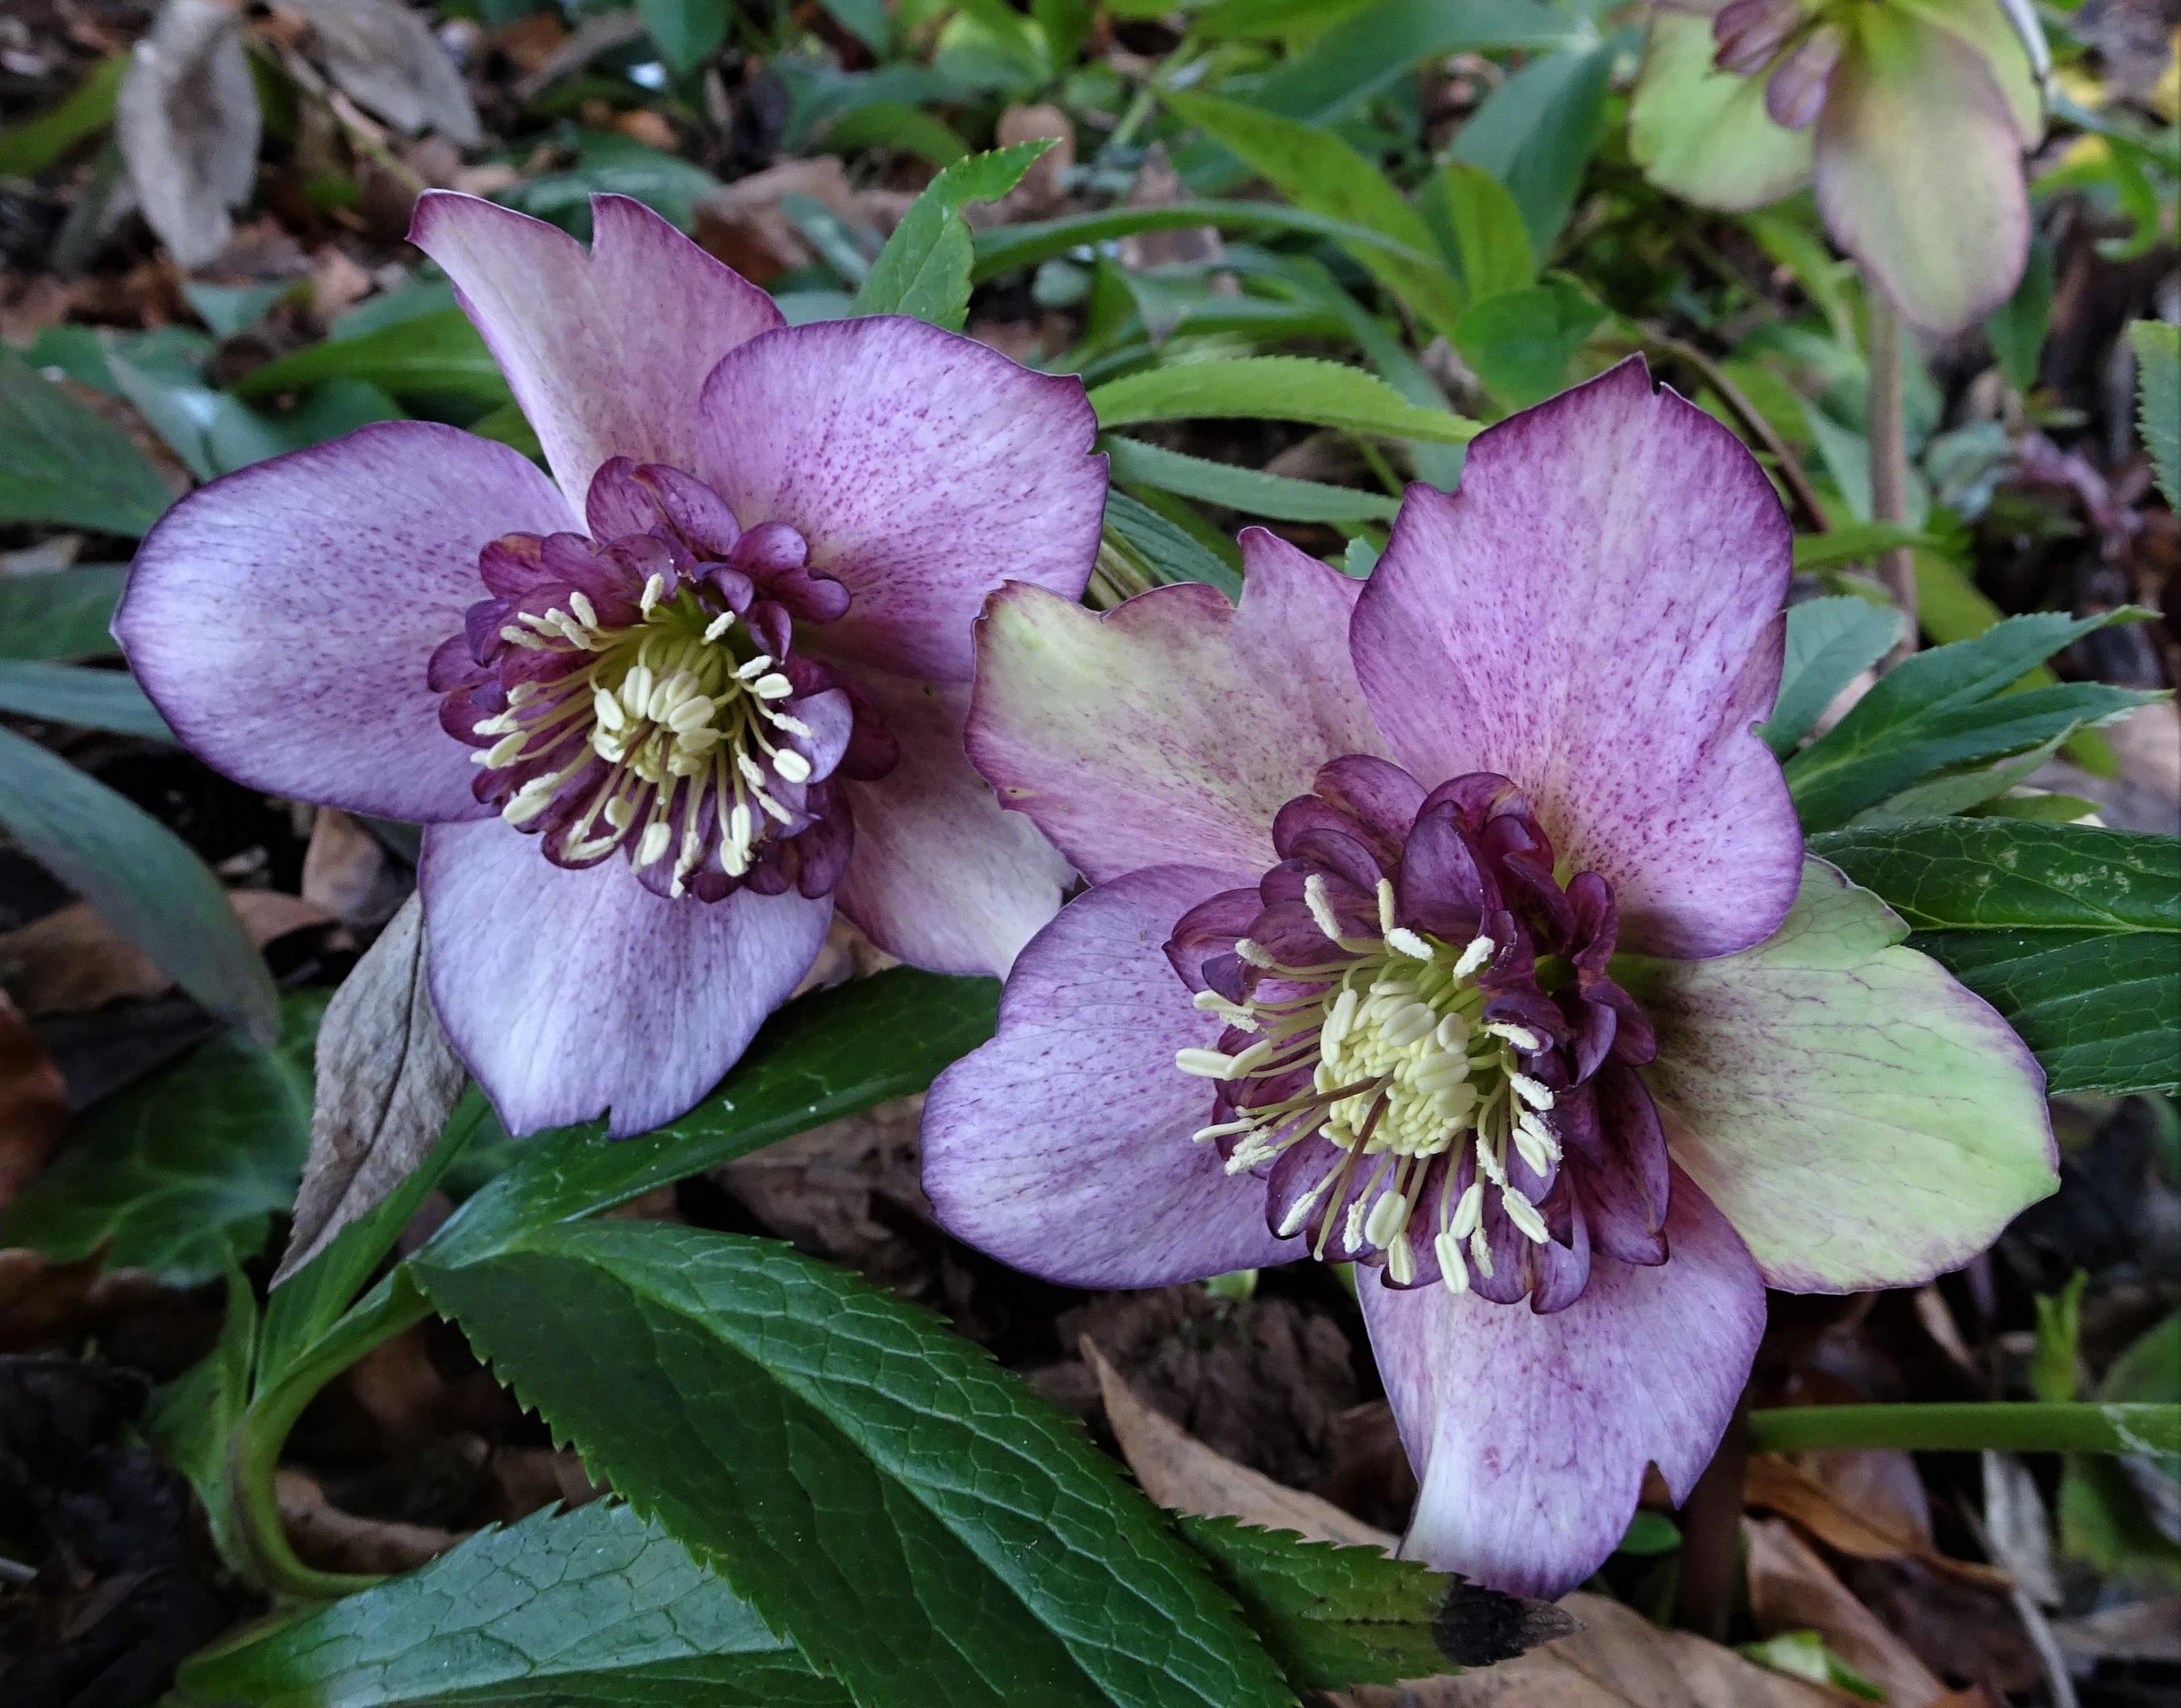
[1918, 170]
[1702, 134]
[1985, 27]
[1862, 1120]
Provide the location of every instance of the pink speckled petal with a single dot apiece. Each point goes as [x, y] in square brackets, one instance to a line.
[1596, 614]
[575, 994]
[923, 468]
[941, 876]
[1530, 1433]
[1062, 1146]
[1175, 727]
[607, 349]
[283, 618]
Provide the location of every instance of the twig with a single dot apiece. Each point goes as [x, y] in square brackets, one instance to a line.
[1889, 467]
[1746, 412]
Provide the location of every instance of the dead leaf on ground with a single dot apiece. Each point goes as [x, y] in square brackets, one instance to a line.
[186, 120]
[1779, 1486]
[385, 58]
[34, 1108]
[346, 872]
[43, 1302]
[742, 224]
[1791, 1589]
[324, 1536]
[72, 962]
[2141, 1631]
[1158, 184]
[387, 1080]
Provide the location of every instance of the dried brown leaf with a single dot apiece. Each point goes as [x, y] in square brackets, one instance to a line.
[1791, 1588]
[186, 120]
[742, 224]
[346, 872]
[34, 1108]
[386, 59]
[324, 1536]
[72, 962]
[42, 1303]
[387, 1079]
[1779, 1486]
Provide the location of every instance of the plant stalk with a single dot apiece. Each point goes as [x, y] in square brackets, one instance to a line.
[1711, 1580]
[1889, 466]
[2007, 1426]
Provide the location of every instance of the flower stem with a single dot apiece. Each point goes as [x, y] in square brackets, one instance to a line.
[1711, 1580]
[1889, 465]
[2003, 1426]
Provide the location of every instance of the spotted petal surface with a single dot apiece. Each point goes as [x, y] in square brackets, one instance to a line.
[1595, 614]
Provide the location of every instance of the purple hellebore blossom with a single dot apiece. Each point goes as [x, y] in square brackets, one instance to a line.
[1462, 923]
[659, 712]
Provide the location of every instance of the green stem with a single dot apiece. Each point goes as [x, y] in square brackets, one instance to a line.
[2002, 1426]
[1889, 462]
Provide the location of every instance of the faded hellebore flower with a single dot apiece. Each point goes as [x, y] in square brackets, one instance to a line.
[658, 713]
[1912, 117]
[1457, 924]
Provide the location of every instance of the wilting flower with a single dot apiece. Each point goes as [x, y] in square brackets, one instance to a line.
[1462, 929]
[656, 718]
[1912, 116]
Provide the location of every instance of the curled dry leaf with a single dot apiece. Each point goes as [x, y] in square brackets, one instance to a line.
[387, 1080]
[1779, 1486]
[324, 1536]
[186, 118]
[72, 961]
[34, 1108]
[1791, 1588]
[346, 872]
[385, 58]
[741, 222]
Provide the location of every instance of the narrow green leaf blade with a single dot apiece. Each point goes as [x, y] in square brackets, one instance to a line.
[2005, 1426]
[60, 614]
[1829, 643]
[1167, 550]
[70, 694]
[1011, 246]
[1285, 387]
[686, 32]
[1251, 491]
[193, 1417]
[142, 878]
[62, 464]
[1535, 133]
[590, 1607]
[184, 1171]
[438, 352]
[927, 1528]
[32, 146]
[924, 270]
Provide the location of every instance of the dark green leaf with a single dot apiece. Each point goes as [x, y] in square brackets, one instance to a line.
[1164, 549]
[2157, 349]
[437, 352]
[864, 19]
[2072, 933]
[141, 877]
[2017, 328]
[827, 1055]
[1520, 342]
[924, 270]
[608, 164]
[182, 1171]
[1949, 707]
[60, 463]
[228, 309]
[1283, 388]
[1248, 490]
[213, 434]
[1829, 643]
[1011, 246]
[1853, 543]
[589, 1609]
[1536, 133]
[1369, 51]
[1479, 226]
[337, 407]
[687, 32]
[928, 1528]
[32, 146]
[192, 1419]
[1650, 1533]
[60, 614]
[75, 694]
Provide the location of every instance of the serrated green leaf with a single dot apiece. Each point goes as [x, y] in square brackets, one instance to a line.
[61, 463]
[2072, 933]
[927, 1529]
[1829, 643]
[32, 146]
[1950, 707]
[1282, 387]
[825, 1055]
[2158, 348]
[184, 1171]
[589, 1609]
[438, 352]
[60, 614]
[924, 270]
[142, 878]
[1853, 543]
[1316, 169]
[1251, 491]
[71, 694]
[1166, 551]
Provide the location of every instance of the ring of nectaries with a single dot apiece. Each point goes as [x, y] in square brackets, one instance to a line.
[638, 691]
[1424, 1057]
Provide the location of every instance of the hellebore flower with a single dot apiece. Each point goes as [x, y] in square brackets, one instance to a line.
[1457, 925]
[657, 712]
[1912, 116]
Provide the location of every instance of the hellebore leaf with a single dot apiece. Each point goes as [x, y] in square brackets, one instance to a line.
[1165, 551]
[1536, 132]
[828, 1055]
[70, 694]
[1904, 1116]
[439, 352]
[1520, 342]
[141, 877]
[1479, 226]
[2157, 349]
[926, 1526]
[1314, 169]
[1334, 1617]
[192, 1419]
[213, 433]
[590, 1609]
[1011, 246]
[1829, 643]
[685, 31]
[1285, 387]
[182, 1172]
[1251, 491]
[924, 270]
[2072, 933]
[1850, 542]
[1948, 706]
[60, 614]
[62, 464]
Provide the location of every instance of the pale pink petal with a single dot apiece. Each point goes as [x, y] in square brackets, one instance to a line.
[1596, 614]
[607, 349]
[1063, 1146]
[1530, 1433]
[941, 876]
[575, 994]
[923, 468]
[282, 619]
[1175, 727]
